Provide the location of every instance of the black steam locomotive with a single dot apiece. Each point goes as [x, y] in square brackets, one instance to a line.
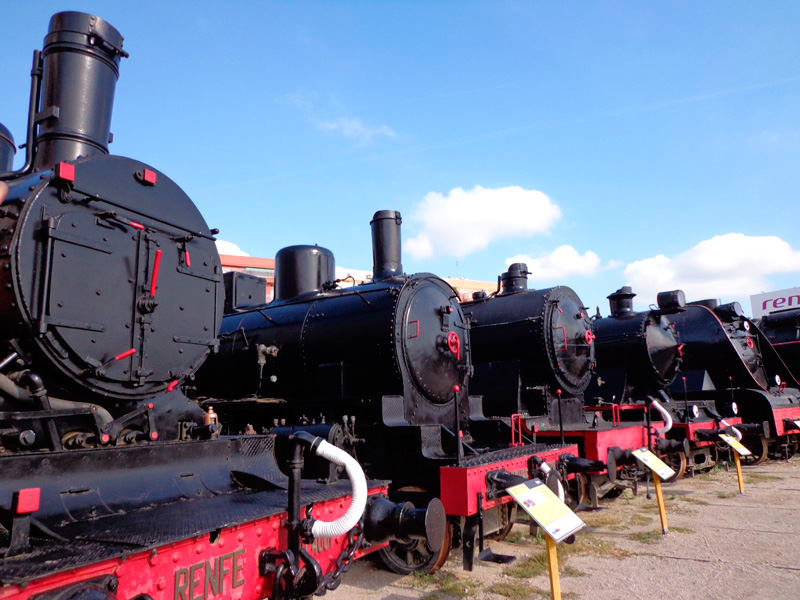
[639, 356]
[114, 483]
[730, 364]
[532, 350]
[380, 369]
[638, 353]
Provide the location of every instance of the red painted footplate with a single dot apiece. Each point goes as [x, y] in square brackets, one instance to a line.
[460, 485]
[688, 430]
[596, 442]
[792, 413]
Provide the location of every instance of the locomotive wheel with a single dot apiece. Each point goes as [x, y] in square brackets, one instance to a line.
[577, 491]
[677, 462]
[416, 556]
[792, 445]
[759, 448]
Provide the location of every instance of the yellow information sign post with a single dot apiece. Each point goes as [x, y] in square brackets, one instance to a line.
[739, 449]
[552, 566]
[553, 516]
[660, 471]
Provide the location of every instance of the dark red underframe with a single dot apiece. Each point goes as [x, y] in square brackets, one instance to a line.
[688, 430]
[460, 485]
[791, 412]
[596, 442]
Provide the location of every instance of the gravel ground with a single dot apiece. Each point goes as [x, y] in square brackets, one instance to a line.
[721, 545]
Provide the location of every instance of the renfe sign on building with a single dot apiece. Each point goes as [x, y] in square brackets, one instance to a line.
[763, 304]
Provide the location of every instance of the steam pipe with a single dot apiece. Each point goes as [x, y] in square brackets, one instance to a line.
[736, 432]
[33, 103]
[322, 529]
[667, 417]
[19, 394]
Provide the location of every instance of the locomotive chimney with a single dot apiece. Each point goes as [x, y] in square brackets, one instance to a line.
[80, 63]
[303, 269]
[386, 252]
[515, 279]
[7, 149]
[621, 301]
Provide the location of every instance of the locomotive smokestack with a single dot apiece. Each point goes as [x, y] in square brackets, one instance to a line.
[80, 61]
[7, 149]
[621, 301]
[386, 251]
[515, 279]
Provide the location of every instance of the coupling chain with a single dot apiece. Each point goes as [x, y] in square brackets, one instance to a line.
[344, 561]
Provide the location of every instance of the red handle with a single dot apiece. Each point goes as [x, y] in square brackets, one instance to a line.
[125, 354]
[454, 344]
[154, 278]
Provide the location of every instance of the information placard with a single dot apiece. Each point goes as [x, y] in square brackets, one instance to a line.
[735, 444]
[652, 462]
[544, 507]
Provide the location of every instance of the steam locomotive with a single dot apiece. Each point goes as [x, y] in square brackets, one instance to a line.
[537, 351]
[115, 484]
[639, 356]
[380, 369]
[729, 363]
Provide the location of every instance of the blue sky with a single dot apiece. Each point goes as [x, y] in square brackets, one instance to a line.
[608, 143]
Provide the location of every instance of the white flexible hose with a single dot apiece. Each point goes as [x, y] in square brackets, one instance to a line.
[736, 432]
[667, 417]
[332, 529]
[545, 469]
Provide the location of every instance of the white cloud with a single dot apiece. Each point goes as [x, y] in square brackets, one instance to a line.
[464, 221]
[229, 248]
[562, 262]
[351, 128]
[356, 129]
[730, 265]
